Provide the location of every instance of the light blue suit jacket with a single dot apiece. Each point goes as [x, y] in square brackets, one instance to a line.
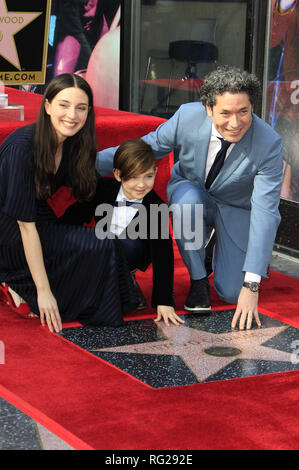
[246, 191]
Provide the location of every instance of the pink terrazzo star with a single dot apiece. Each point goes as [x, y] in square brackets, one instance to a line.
[192, 345]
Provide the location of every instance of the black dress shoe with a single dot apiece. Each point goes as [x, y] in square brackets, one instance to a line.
[198, 300]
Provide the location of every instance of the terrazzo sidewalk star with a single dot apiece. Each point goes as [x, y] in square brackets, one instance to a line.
[204, 349]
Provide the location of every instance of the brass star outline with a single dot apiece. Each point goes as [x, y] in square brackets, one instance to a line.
[8, 48]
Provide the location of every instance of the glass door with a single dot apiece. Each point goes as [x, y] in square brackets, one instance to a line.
[173, 44]
[281, 87]
[281, 111]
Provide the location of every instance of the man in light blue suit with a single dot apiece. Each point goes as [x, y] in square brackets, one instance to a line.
[229, 161]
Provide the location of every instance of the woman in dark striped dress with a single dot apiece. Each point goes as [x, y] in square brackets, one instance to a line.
[62, 272]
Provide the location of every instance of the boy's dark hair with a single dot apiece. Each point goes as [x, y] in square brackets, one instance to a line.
[133, 157]
[228, 79]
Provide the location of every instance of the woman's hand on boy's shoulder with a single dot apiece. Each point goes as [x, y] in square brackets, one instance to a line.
[167, 314]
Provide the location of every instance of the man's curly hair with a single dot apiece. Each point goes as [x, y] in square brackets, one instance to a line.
[228, 79]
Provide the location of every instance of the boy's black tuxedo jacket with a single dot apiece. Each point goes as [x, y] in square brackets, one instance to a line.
[160, 251]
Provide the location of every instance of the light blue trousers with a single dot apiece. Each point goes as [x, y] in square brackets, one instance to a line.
[228, 259]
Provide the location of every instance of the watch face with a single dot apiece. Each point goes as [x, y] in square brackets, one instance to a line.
[254, 287]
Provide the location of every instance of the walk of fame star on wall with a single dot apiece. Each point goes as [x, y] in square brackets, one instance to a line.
[23, 41]
[10, 24]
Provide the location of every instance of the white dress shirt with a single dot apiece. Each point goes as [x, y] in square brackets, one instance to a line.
[122, 215]
[214, 147]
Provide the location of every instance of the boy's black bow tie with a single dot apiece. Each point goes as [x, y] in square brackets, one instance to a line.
[126, 203]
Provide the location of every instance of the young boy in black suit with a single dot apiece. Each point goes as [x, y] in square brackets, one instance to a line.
[134, 200]
[130, 200]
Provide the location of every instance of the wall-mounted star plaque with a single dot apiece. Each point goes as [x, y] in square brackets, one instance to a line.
[24, 29]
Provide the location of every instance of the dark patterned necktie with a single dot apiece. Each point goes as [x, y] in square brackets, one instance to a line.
[218, 162]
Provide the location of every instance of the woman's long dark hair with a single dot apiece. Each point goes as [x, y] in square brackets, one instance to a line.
[82, 147]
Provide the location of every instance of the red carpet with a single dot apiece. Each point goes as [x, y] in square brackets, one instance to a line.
[93, 405]
[279, 294]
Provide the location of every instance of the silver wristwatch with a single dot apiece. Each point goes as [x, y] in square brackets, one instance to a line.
[253, 286]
